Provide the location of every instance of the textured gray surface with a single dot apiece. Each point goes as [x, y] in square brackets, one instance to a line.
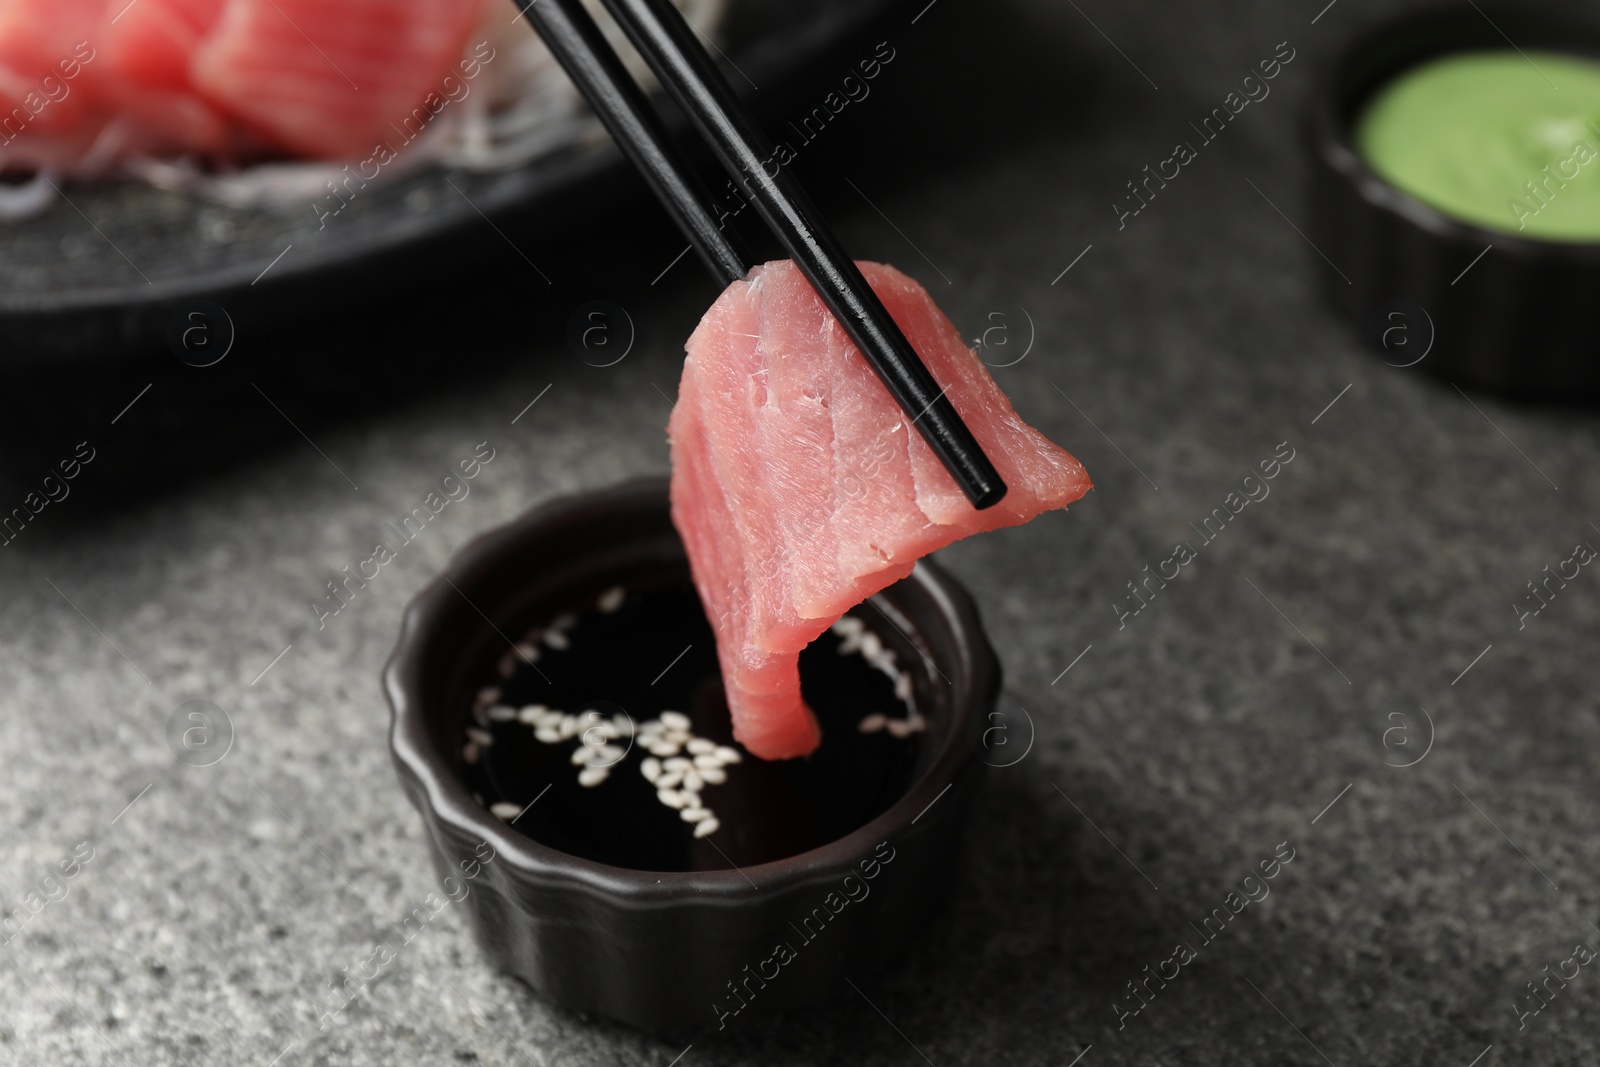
[1251, 694]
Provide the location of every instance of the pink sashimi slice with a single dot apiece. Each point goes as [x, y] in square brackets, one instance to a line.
[38, 44]
[86, 82]
[800, 488]
[152, 40]
[325, 78]
[141, 78]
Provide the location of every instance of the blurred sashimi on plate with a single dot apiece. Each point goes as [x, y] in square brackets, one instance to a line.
[228, 98]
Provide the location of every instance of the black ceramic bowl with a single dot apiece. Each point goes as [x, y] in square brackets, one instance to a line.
[1519, 320]
[674, 951]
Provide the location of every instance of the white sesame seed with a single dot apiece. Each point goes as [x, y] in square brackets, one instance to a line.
[669, 780]
[663, 748]
[557, 640]
[650, 768]
[700, 746]
[621, 726]
[712, 775]
[872, 723]
[694, 814]
[502, 713]
[705, 760]
[488, 695]
[678, 763]
[579, 755]
[611, 599]
[527, 650]
[504, 810]
[551, 717]
[469, 752]
[707, 826]
[899, 727]
[917, 723]
[593, 776]
[530, 714]
[569, 726]
[847, 626]
[675, 720]
[871, 645]
[483, 737]
[851, 643]
[902, 688]
[549, 735]
[729, 755]
[692, 782]
[671, 798]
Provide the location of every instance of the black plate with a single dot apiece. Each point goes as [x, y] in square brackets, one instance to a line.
[68, 290]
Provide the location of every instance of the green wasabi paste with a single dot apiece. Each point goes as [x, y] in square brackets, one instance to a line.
[1506, 141]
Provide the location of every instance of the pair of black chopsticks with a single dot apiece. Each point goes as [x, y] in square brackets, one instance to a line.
[667, 43]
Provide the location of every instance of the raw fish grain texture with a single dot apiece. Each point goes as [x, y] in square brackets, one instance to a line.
[800, 488]
[84, 83]
[373, 62]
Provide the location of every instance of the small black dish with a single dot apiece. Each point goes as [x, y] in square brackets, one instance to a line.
[1520, 319]
[672, 951]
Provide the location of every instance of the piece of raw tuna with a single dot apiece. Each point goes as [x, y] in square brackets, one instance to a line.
[41, 53]
[86, 83]
[152, 40]
[331, 79]
[800, 488]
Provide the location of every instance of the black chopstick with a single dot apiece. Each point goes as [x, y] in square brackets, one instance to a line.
[667, 43]
[581, 48]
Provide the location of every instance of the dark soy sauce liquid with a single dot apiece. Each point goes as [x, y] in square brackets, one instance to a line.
[766, 809]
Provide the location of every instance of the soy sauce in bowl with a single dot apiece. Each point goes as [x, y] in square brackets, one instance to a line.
[559, 740]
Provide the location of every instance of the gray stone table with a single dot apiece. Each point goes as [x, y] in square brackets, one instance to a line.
[1242, 711]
